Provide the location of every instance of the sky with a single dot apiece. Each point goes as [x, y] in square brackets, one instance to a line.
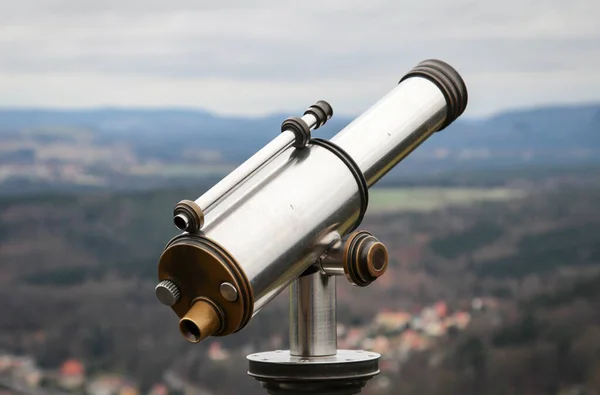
[266, 56]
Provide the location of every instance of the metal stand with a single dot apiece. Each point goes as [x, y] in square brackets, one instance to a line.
[313, 364]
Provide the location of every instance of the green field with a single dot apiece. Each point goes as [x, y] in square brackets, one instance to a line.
[383, 200]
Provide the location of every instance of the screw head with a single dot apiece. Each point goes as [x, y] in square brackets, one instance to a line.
[167, 293]
[228, 292]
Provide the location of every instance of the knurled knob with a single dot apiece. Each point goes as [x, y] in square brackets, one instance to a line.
[167, 293]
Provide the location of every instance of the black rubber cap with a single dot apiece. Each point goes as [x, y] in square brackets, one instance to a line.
[450, 83]
[322, 111]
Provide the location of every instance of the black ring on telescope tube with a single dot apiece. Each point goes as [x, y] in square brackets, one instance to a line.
[300, 130]
[355, 170]
[450, 83]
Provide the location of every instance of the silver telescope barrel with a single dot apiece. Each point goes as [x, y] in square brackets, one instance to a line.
[294, 132]
[398, 123]
[273, 226]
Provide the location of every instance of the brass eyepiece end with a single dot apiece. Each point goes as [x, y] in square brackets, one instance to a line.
[201, 320]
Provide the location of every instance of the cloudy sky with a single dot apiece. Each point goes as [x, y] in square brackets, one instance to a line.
[256, 57]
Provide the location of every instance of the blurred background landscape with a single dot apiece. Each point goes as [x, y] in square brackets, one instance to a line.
[110, 114]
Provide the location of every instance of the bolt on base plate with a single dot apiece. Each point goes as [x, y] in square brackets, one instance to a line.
[345, 373]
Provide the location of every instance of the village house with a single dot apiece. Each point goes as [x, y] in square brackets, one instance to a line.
[380, 345]
[23, 363]
[159, 389]
[129, 389]
[32, 377]
[459, 320]
[216, 352]
[392, 321]
[6, 363]
[435, 329]
[25, 370]
[480, 304]
[110, 385]
[71, 375]
[353, 339]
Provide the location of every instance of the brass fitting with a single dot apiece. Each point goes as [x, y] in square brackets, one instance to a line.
[203, 319]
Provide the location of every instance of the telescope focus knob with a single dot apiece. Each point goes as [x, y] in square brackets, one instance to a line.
[167, 293]
[365, 258]
[361, 257]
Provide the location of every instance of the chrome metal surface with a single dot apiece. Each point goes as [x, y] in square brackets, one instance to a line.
[233, 180]
[279, 222]
[228, 292]
[310, 120]
[313, 316]
[393, 127]
[340, 357]
[218, 192]
[167, 293]
[331, 262]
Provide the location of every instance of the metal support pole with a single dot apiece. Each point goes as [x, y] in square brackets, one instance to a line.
[312, 316]
[313, 365]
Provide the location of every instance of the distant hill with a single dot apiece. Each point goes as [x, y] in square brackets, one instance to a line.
[548, 129]
[136, 148]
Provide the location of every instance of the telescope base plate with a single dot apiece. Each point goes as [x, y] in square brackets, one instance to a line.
[345, 373]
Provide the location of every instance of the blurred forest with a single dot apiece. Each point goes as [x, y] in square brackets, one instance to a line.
[77, 273]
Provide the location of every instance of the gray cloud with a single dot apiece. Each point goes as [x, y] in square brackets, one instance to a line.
[263, 56]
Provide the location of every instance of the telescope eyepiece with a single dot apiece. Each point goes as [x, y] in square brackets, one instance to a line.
[181, 222]
[189, 330]
[201, 320]
[450, 83]
[322, 111]
[188, 216]
[377, 258]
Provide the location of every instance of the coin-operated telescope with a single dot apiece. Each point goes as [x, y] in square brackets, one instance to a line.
[288, 216]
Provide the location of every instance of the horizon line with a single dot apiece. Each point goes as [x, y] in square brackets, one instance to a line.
[217, 114]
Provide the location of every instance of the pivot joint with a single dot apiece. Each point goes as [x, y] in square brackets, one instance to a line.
[361, 257]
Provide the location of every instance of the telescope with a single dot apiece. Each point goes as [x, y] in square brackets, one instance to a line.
[289, 216]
